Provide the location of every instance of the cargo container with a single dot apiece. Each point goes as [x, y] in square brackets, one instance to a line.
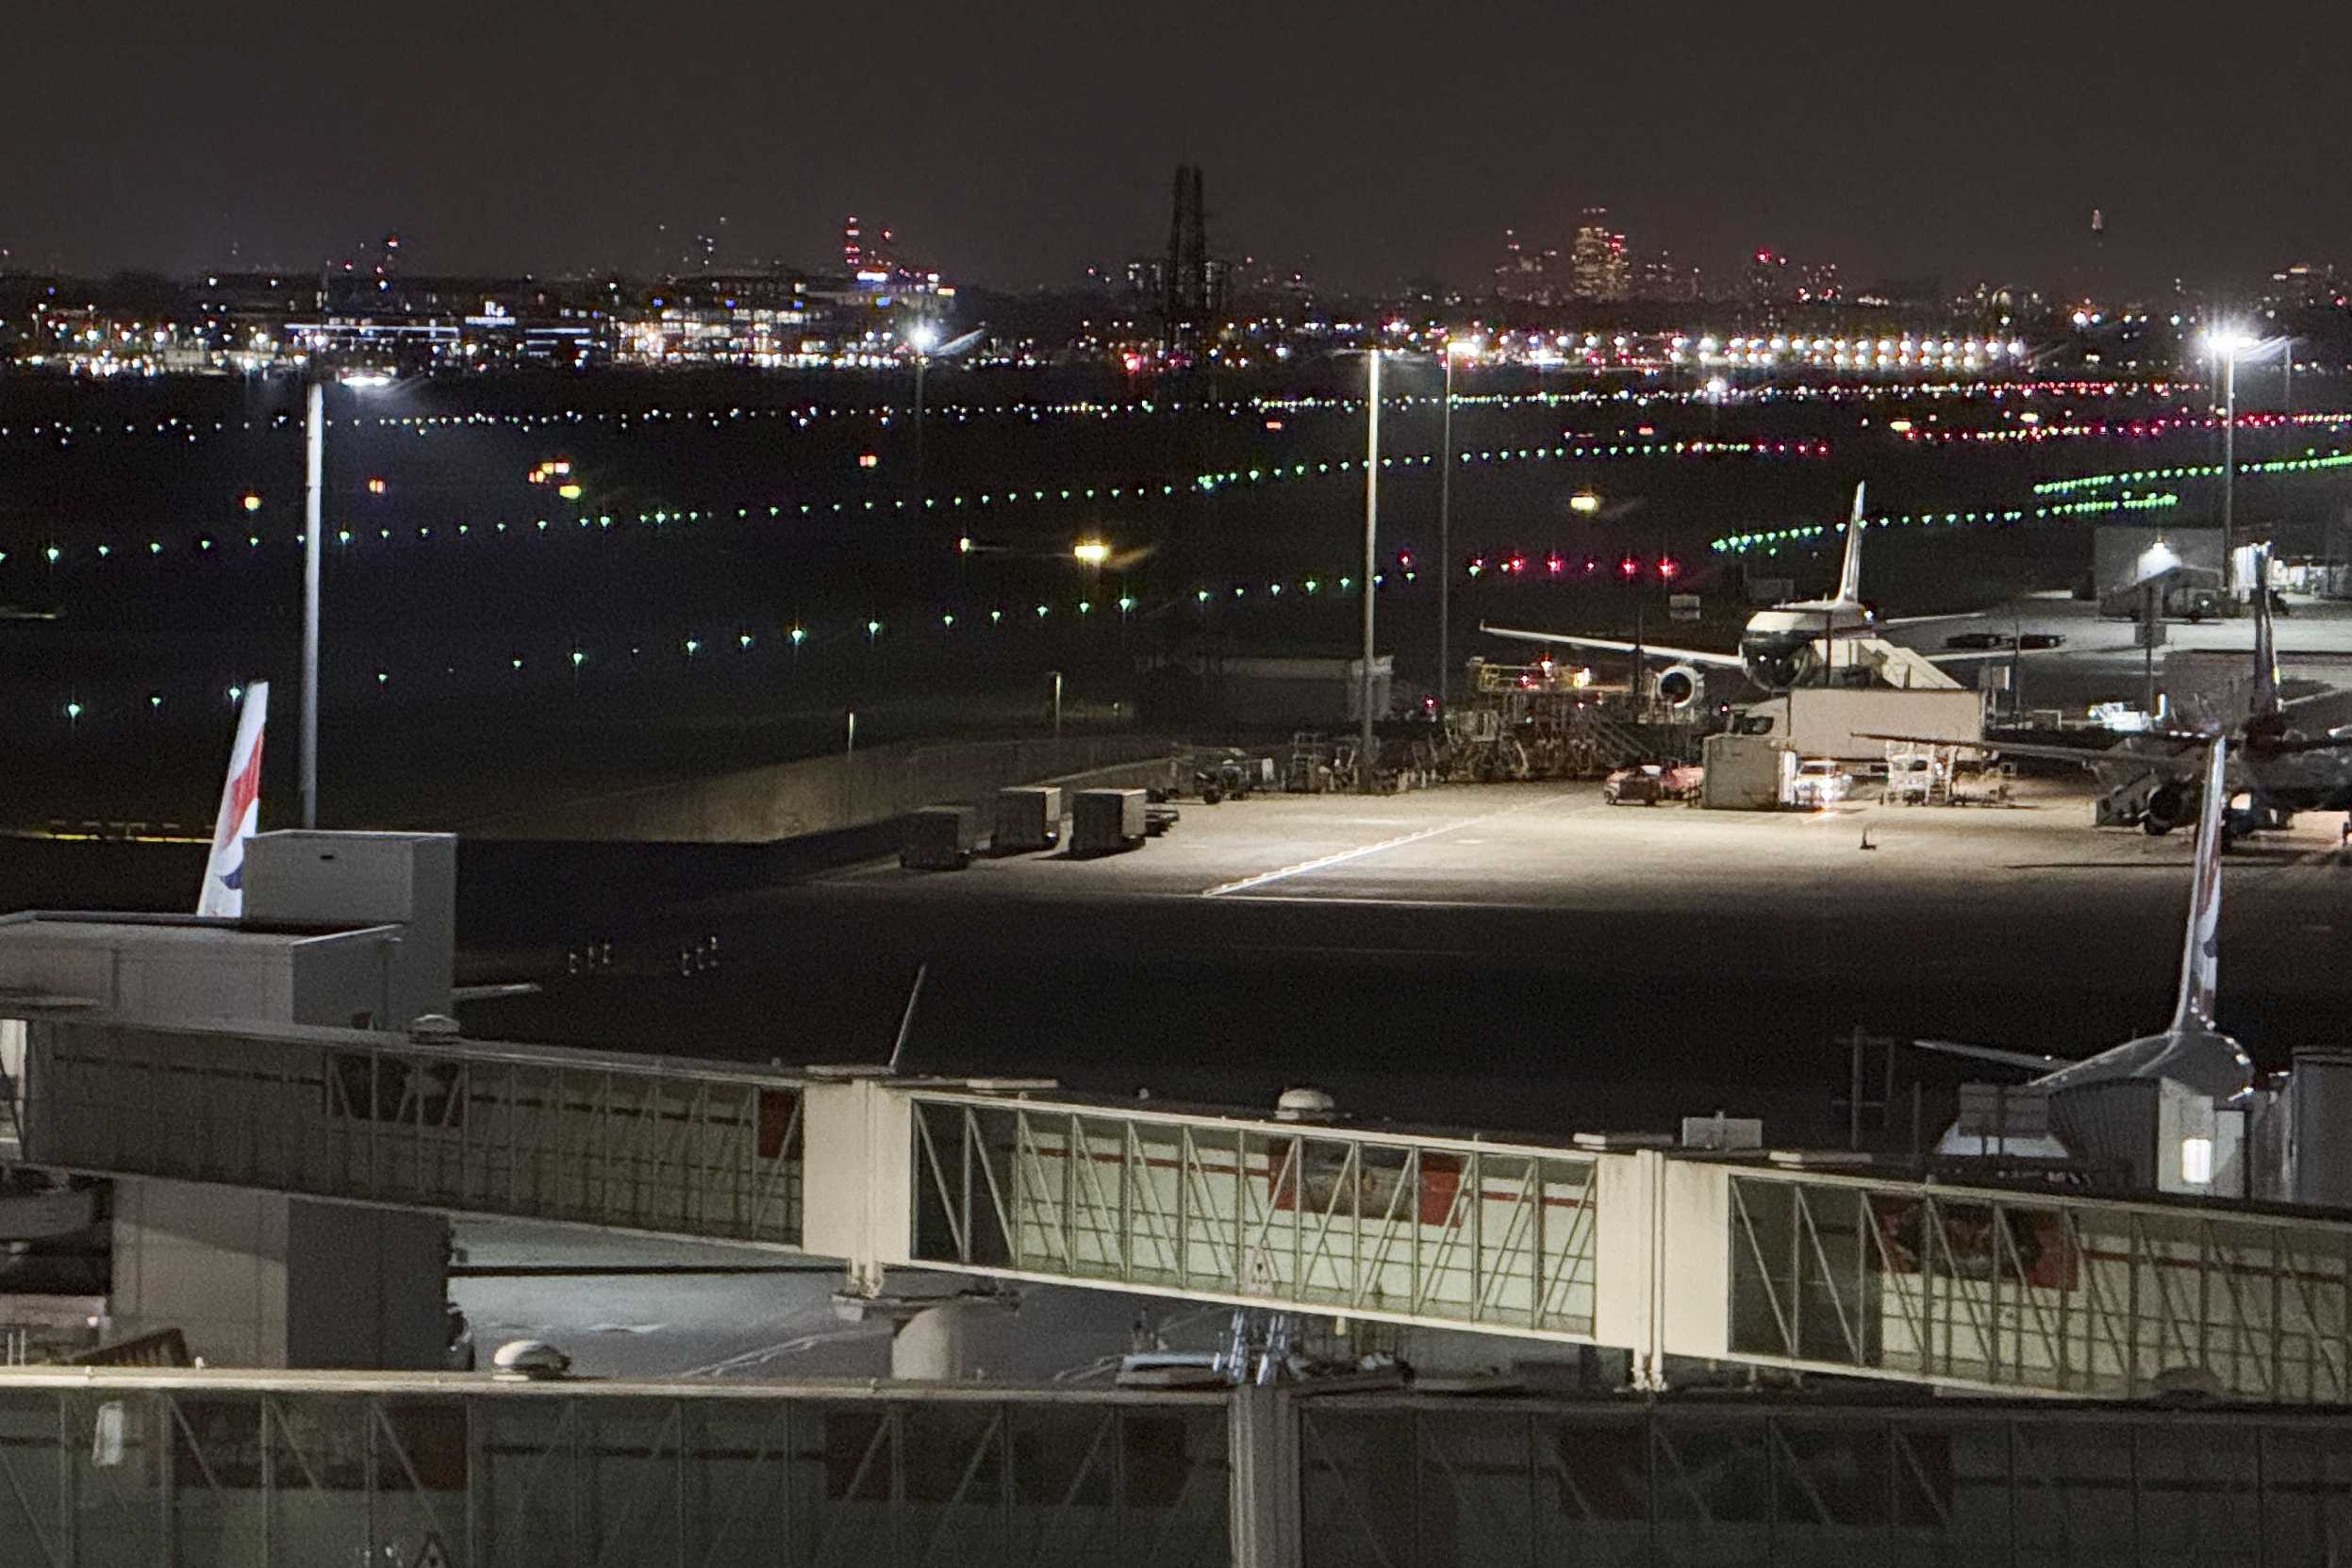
[939, 838]
[1028, 818]
[1105, 821]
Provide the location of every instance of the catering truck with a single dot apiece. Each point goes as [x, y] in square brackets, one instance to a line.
[1838, 721]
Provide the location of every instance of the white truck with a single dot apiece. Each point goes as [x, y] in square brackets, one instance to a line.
[1836, 721]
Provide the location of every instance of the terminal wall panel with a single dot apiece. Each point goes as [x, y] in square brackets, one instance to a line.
[356, 878]
[207, 1261]
[1695, 1200]
[206, 987]
[348, 981]
[475, 1475]
[365, 1286]
[1625, 1188]
[148, 973]
[32, 960]
[858, 1193]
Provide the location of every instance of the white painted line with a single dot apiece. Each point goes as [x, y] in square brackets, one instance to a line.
[1359, 852]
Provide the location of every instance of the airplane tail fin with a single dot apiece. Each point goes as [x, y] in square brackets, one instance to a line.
[1849, 579]
[2265, 698]
[2201, 954]
[223, 893]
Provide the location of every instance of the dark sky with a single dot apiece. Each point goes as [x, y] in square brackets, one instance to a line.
[1019, 140]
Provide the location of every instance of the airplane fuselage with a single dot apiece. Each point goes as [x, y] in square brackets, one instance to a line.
[2280, 781]
[1776, 648]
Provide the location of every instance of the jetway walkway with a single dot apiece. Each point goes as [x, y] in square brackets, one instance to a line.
[137, 1468]
[1664, 1254]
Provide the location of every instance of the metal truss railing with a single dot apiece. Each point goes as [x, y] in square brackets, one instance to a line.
[597, 1137]
[2047, 1293]
[531, 1477]
[1432, 1230]
[1400, 1483]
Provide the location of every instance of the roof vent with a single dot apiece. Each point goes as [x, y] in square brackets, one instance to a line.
[1306, 1105]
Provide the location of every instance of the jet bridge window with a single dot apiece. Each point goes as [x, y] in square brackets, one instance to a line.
[385, 1086]
[1753, 724]
[1317, 1176]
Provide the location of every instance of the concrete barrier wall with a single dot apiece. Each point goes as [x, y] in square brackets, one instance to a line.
[820, 795]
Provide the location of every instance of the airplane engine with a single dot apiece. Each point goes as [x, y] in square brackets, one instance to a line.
[1678, 687]
[2168, 806]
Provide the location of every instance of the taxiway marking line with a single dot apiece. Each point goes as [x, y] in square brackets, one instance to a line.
[1320, 862]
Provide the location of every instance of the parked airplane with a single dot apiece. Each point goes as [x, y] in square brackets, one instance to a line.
[2292, 757]
[224, 894]
[1783, 645]
[2189, 1051]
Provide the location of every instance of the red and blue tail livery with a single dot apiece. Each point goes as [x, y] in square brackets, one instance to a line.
[223, 895]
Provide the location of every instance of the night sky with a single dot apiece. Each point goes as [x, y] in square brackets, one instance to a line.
[1022, 140]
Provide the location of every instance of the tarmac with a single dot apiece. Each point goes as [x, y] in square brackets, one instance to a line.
[1503, 956]
[1508, 956]
[1558, 847]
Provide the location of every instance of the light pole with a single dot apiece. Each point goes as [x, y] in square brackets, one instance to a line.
[1366, 742]
[1057, 704]
[313, 545]
[1445, 526]
[2226, 343]
[314, 469]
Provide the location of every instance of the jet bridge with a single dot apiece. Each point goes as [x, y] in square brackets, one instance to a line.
[104, 1467]
[1671, 1255]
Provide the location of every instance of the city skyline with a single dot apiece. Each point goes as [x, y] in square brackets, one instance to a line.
[1016, 154]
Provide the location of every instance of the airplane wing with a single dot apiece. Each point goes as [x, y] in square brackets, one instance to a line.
[2026, 1059]
[493, 992]
[1880, 625]
[2321, 711]
[1686, 655]
[2188, 765]
[2316, 743]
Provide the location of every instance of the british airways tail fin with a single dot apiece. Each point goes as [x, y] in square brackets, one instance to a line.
[2200, 952]
[1849, 579]
[240, 811]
